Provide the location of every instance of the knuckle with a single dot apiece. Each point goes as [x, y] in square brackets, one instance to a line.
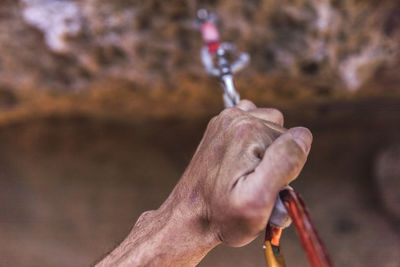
[228, 114]
[213, 120]
[144, 217]
[247, 103]
[245, 125]
[212, 124]
[278, 116]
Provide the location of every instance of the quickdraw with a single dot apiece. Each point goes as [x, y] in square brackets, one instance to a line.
[215, 54]
[289, 206]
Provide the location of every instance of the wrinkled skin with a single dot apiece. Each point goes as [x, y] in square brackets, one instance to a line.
[226, 194]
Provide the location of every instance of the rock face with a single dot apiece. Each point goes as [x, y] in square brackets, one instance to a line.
[387, 177]
[70, 45]
[57, 20]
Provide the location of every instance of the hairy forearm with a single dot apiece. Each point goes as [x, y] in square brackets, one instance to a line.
[168, 236]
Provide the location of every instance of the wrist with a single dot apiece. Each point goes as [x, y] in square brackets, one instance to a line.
[174, 235]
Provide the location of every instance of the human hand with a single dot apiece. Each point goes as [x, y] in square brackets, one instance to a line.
[243, 161]
[227, 192]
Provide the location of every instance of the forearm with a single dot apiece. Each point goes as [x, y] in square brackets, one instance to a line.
[164, 237]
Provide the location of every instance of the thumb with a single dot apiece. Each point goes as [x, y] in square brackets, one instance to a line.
[282, 162]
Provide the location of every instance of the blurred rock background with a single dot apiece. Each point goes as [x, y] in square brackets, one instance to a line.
[102, 104]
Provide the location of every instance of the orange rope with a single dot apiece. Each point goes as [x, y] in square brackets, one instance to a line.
[309, 238]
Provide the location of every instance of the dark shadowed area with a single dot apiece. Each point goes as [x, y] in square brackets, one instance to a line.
[103, 103]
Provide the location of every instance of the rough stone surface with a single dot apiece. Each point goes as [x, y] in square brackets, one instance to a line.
[69, 45]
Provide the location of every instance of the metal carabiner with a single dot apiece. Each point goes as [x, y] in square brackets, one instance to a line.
[272, 248]
[214, 56]
[278, 221]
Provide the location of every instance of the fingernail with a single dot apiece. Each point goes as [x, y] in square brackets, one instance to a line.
[303, 137]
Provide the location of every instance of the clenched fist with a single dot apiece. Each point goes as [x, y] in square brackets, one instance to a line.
[226, 194]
